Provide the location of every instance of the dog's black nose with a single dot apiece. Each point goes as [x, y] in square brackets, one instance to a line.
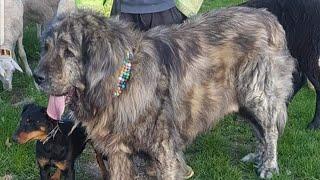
[39, 78]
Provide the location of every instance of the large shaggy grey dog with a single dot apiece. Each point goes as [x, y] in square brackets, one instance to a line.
[184, 79]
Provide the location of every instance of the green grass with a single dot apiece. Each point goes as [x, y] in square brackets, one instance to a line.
[215, 155]
[96, 4]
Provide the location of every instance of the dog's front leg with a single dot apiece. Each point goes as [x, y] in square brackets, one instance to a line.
[167, 162]
[44, 168]
[44, 173]
[23, 56]
[120, 166]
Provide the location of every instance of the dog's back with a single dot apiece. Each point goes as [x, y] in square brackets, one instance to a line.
[222, 53]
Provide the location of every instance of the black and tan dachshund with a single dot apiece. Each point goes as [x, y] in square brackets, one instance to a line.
[54, 146]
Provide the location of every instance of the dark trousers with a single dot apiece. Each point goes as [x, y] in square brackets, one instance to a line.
[147, 21]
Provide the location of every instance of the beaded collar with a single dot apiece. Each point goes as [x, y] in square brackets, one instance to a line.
[125, 75]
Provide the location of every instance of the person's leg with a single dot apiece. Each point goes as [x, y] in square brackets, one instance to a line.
[116, 8]
[147, 21]
[135, 19]
[168, 17]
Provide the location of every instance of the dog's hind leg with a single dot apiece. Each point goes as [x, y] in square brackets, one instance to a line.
[23, 56]
[299, 80]
[315, 124]
[314, 77]
[253, 157]
[265, 120]
[265, 86]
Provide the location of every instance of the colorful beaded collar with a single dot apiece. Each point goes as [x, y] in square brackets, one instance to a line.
[125, 75]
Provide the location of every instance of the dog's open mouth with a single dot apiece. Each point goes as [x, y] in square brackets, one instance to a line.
[57, 104]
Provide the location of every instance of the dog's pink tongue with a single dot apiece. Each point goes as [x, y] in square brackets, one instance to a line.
[56, 106]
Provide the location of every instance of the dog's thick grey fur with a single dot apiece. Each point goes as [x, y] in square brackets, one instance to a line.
[184, 79]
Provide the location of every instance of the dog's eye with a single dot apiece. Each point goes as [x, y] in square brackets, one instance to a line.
[68, 54]
[28, 120]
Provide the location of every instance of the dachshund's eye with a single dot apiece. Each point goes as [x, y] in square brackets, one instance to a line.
[68, 54]
[28, 120]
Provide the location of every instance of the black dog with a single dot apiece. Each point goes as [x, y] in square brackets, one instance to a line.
[301, 22]
[54, 147]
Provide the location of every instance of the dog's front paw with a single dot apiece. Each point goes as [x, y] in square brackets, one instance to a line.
[267, 170]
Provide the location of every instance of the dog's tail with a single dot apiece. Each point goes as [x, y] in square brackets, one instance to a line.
[283, 70]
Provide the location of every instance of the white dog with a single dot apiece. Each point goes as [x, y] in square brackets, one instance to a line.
[13, 31]
[16, 14]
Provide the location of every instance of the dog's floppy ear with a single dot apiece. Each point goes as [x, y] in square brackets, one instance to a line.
[102, 55]
[100, 67]
[105, 44]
